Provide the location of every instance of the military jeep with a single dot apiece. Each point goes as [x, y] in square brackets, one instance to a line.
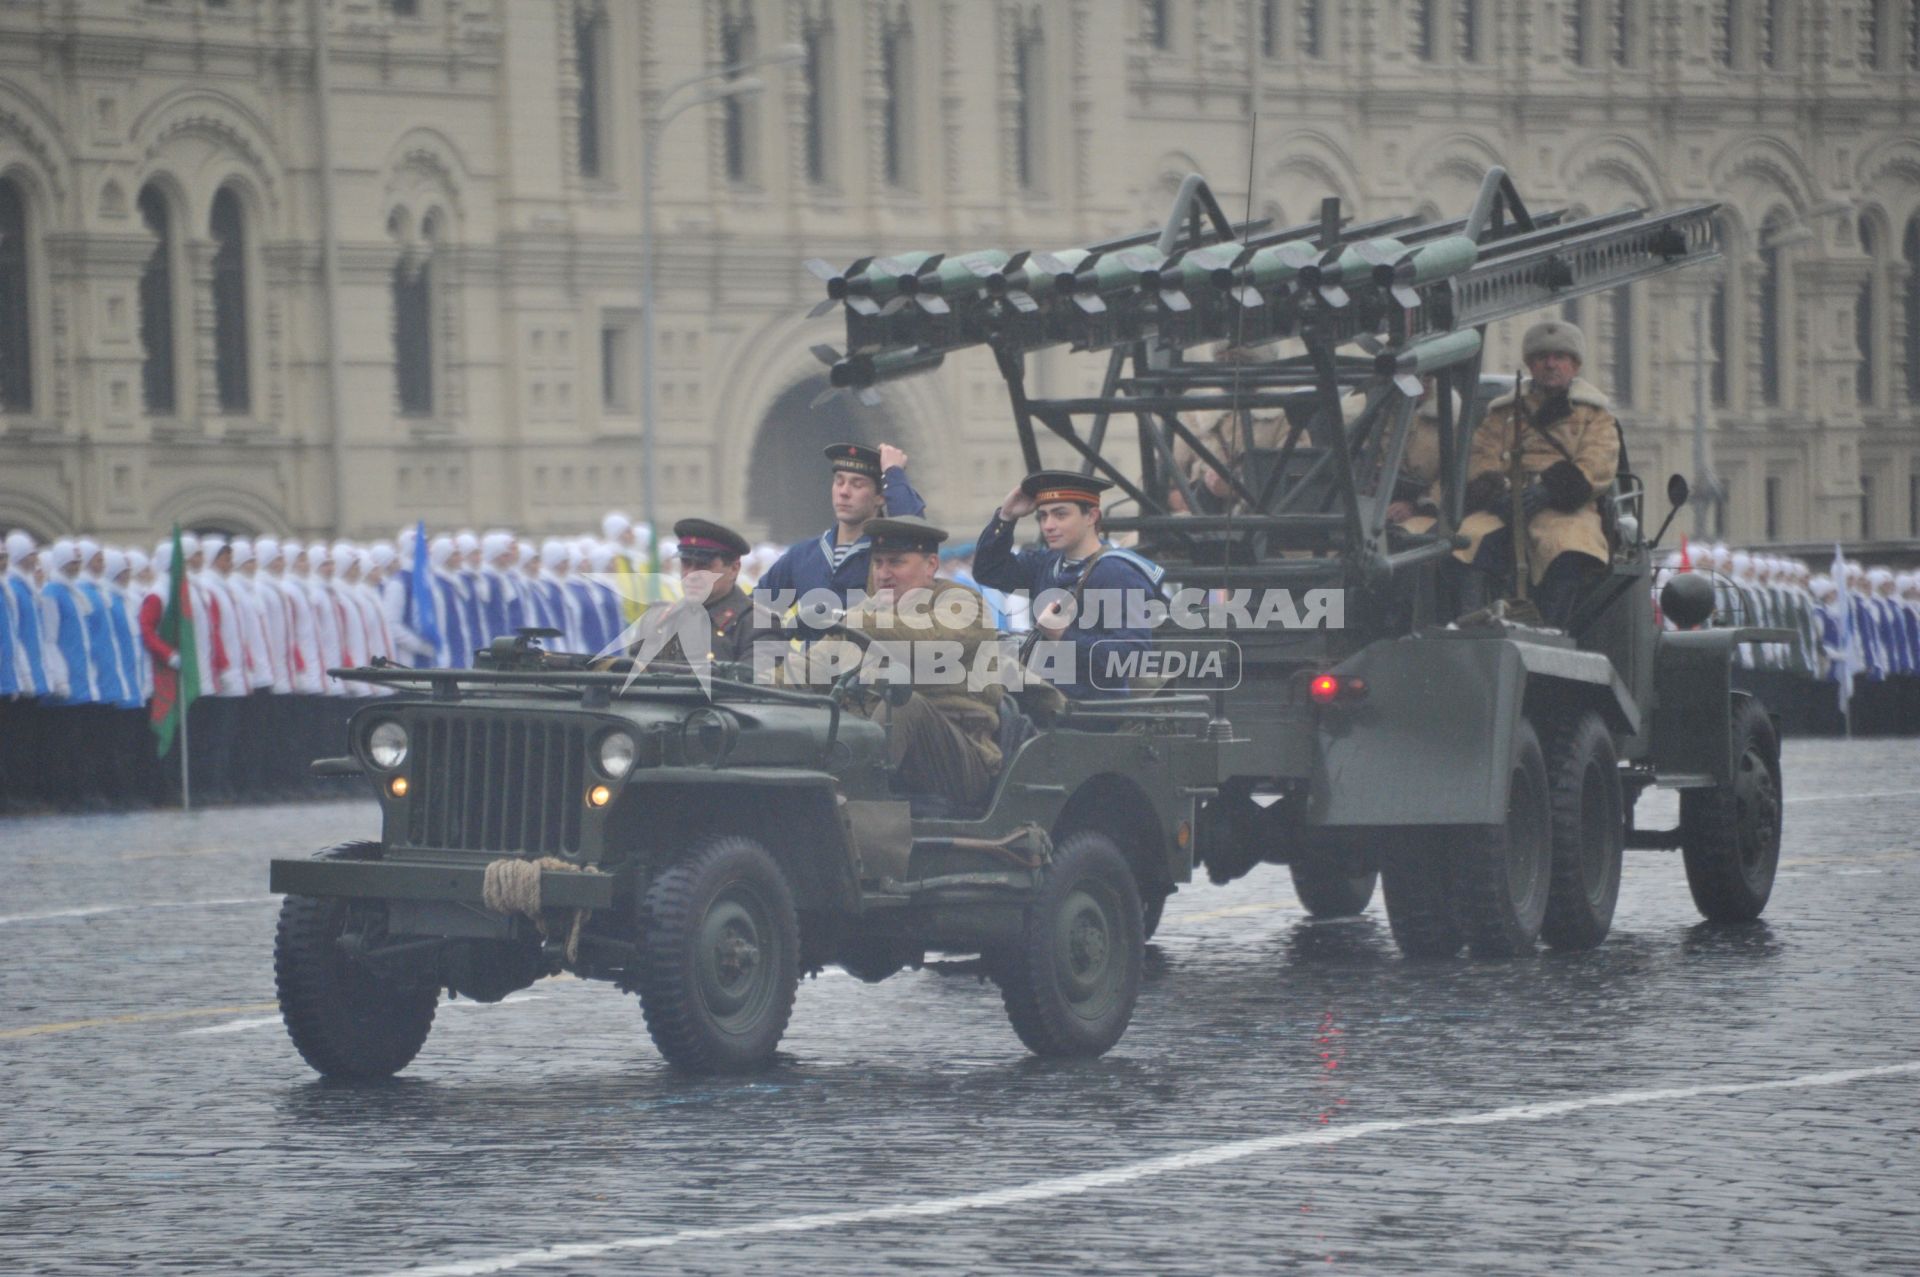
[705, 842]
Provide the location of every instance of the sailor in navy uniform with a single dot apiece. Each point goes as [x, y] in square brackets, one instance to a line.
[867, 483]
[1114, 584]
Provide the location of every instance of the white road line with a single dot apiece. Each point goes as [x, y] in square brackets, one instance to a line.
[261, 1022]
[89, 911]
[1127, 1173]
[1853, 798]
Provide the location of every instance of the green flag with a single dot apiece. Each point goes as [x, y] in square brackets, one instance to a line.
[175, 690]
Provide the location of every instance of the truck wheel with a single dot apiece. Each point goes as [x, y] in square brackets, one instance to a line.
[1420, 905]
[720, 957]
[1325, 892]
[344, 1020]
[1502, 876]
[1730, 834]
[1589, 833]
[1070, 982]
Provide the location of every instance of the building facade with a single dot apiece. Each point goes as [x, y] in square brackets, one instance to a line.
[330, 266]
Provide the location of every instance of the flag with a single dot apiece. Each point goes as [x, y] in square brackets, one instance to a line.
[1686, 559]
[175, 690]
[422, 617]
[1844, 653]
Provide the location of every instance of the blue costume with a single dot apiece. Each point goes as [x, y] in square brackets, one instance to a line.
[70, 637]
[26, 619]
[11, 666]
[109, 679]
[808, 565]
[126, 641]
[593, 621]
[455, 648]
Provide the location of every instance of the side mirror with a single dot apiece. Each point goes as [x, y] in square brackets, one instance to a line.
[1677, 490]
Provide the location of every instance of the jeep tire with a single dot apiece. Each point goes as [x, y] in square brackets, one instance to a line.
[1069, 983]
[346, 1021]
[719, 957]
[1325, 892]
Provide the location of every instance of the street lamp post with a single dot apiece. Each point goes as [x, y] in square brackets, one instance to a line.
[649, 146]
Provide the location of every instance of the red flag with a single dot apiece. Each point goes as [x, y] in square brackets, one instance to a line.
[1686, 560]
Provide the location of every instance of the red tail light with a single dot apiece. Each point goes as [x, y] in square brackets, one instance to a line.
[1326, 689]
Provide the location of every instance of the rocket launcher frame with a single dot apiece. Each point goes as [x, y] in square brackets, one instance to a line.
[1366, 312]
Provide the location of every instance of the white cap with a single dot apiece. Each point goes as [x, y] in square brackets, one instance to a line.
[1877, 577]
[138, 561]
[116, 564]
[1822, 587]
[466, 542]
[552, 553]
[212, 544]
[19, 545]
[163, 557]
[439, 550]
[243, 552]
[614, 525]
[495, 544]
[61, 553]
[381, 555]
[87, 548]
[189, 544]
[267, 549]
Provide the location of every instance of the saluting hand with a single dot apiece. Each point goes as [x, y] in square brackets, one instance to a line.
[891, 457]
[1017, 505]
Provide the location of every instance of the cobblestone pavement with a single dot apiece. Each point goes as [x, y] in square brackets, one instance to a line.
[1291, 1095]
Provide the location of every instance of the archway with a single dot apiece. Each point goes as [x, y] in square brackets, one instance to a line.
[787, 477]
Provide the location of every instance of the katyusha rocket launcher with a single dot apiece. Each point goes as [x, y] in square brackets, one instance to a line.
[1387, 286]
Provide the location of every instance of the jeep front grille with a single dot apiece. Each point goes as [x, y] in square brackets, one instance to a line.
[496, 784]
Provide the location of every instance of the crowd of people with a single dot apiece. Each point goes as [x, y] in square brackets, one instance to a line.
[80, 640]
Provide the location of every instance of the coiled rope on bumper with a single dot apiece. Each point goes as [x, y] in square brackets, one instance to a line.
[512, 885]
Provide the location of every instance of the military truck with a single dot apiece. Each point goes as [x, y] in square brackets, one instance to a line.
[704, 841]
[1486, 766]
[705, 850]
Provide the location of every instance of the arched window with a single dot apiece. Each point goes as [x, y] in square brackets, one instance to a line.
[1910, 304]
[737, 45]
[1029, 89]
[413, 325]
[590, 69]
[1424, 37]
[816, 39]
[1772, 320]
[230, 356]
[896, 114]
[159, 388]
[1866, 373]
[1722, 33]
[1467, 30]
[1580, 32]
[1766, 37]
[1620, 32]
[1620, 306]
[1312, 29]
[1717, 379]
[1155, 25]
[16, 311]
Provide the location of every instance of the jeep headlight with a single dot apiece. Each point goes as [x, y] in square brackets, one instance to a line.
[706, 737]
[616, 754]
[387, 744]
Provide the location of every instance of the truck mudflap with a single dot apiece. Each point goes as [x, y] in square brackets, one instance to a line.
[1429, 743]
[456, 884]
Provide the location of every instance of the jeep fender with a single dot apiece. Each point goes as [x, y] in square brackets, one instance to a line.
[795, 815]
[1692, 715]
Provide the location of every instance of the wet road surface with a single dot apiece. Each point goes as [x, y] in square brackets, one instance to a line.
[1291, 1095]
